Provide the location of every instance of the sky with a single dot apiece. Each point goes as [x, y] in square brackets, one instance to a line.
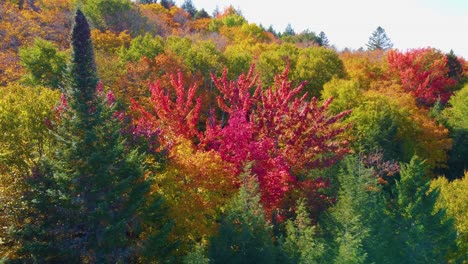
[441, 24]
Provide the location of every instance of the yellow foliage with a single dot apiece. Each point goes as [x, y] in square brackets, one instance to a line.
[24, 138]
[108, 41]
[197, 185]
[454, 198]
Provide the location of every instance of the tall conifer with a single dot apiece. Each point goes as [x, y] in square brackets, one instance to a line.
[90, 201]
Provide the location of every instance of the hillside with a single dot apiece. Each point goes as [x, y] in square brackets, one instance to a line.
[145, 132]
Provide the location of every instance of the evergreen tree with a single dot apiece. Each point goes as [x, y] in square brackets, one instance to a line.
[90, 202]
[379, 40]
[455, 67]
[421, 233]
[201, 14]
[300, 244]
[147, 1]
[167, 3]
[289, 31]
[189, 7]
[323, 40]
[243, 235]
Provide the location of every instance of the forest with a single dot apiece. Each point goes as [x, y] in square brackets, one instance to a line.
[145, 132]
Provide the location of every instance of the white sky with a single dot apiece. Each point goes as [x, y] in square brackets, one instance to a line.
[442, 24]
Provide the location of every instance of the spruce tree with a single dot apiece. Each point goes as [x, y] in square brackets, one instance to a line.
[189, 8]
[379, 40]
[301, 244]
[323, 40]
[243, 235]
[420, 233]
[90, 201]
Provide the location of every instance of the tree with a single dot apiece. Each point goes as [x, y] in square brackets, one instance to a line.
[189, 8]
[144, 2]
[243, 235]
[289, 31]
[317, 66]
[201, 14]
[422, 234]
[300, 243]
[379, 40]
[167, 3]
[453, 197]
[91, 201]
[357, 213]
[323, 40]
[25, 113]
[455, 66]
[45, 64]
[456, 118]
[423, 73]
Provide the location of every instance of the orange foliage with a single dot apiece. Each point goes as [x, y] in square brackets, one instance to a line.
[365, 67]
[197, 185]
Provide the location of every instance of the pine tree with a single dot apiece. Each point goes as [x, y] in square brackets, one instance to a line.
[379, 40]
[167, 3]
[243, 236]
[201, 14]
[289, 31]
[90, 201]
[421, 234]
[454, 65]
[323, 40]
[189, 8]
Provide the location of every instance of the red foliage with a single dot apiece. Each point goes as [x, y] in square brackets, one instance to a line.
[284, 135]
[174, 118]
[422, 72]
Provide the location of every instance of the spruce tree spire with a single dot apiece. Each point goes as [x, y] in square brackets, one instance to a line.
[83, 68]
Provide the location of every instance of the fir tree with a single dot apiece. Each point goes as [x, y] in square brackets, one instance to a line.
[201, 14]
[90, 201]
[454, 65]
[421, 234]
[167, 3]
[379, 40]
[189, 7]
[243, 235]
[301, 244]
[323, 40]
[289, 31]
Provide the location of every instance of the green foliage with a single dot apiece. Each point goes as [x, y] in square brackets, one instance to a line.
[45, 64]
[196, 256]
[456, 117]
[352, 216]
[421, 233]
[238, 60]
[457, 113]
[289, 31]
[90, 200]
[323, 40]
[114, 15]
[143, 46]
[346, 94]
[200, 57]
[275, 60]
[243, 235]
[453, 196]
[379, 40]
[300, 243]
[376, 124]
[317, 66]
[189, 8]
[24, 140]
